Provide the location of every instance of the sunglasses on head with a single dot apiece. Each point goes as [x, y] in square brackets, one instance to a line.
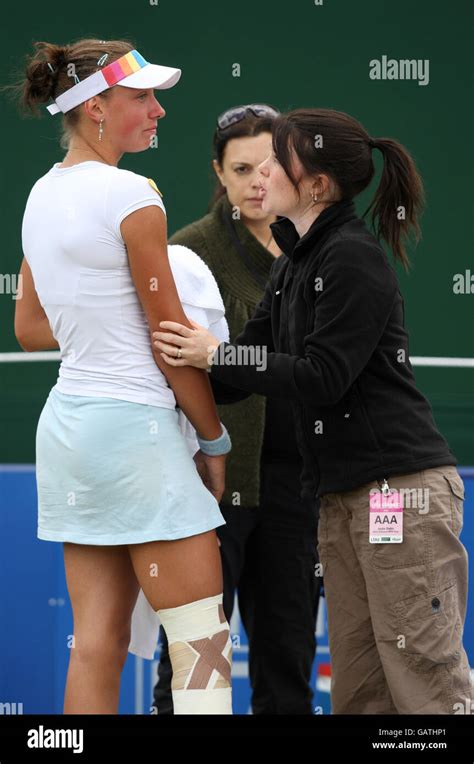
[238, 113]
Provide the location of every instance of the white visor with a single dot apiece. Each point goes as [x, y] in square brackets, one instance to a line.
[129, 71]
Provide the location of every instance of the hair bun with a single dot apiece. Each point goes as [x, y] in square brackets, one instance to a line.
[42, 73]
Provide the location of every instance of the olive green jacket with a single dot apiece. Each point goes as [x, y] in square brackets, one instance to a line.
[245, 420]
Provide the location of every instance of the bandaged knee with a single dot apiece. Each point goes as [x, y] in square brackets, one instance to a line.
[200, 651]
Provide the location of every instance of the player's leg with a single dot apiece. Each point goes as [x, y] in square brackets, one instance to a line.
[182, 580]
[103, 590]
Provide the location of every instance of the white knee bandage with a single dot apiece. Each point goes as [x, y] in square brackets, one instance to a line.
[200, 651]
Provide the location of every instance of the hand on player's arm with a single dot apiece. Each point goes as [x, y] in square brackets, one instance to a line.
[197, 344]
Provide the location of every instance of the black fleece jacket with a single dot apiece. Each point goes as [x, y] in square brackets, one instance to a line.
[331, 322]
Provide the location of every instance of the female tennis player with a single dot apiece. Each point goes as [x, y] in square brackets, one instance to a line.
[329, 334]
[116, 481]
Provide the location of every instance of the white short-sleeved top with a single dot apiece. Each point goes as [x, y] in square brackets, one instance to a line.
[72, 242]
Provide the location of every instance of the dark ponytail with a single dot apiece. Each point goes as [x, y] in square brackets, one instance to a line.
[344, 153]
[399, 199]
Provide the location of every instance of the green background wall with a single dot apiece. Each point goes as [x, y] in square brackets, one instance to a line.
[291, 54]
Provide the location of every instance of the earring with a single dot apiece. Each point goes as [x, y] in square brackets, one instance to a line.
[313, 197]
[101, 130]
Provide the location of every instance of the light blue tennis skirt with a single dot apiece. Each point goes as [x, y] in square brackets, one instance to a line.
[114, 472]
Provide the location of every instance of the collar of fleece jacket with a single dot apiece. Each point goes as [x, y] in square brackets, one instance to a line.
[287, 237]
[235, 280]
[262, 258]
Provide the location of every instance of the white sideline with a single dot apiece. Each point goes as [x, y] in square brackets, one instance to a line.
[416, 360]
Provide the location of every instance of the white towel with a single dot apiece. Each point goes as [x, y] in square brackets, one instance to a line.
[201, 301]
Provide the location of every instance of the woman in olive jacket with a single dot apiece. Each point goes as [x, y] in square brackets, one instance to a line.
[268, 545]
[329, 335]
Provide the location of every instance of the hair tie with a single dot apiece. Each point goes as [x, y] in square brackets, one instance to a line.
[61, 58]
[372, 143]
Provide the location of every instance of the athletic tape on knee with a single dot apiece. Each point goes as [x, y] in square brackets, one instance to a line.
[200, 651]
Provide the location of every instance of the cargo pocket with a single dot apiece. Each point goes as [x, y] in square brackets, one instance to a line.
[411, 552]
[432, 629]
[456, 487]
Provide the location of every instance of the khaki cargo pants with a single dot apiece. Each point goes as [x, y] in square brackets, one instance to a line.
[396, 611]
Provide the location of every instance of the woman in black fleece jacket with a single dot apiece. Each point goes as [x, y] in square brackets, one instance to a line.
[329, 335]
[269, 540]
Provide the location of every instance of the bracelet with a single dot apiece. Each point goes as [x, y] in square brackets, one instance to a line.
[218, 446]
